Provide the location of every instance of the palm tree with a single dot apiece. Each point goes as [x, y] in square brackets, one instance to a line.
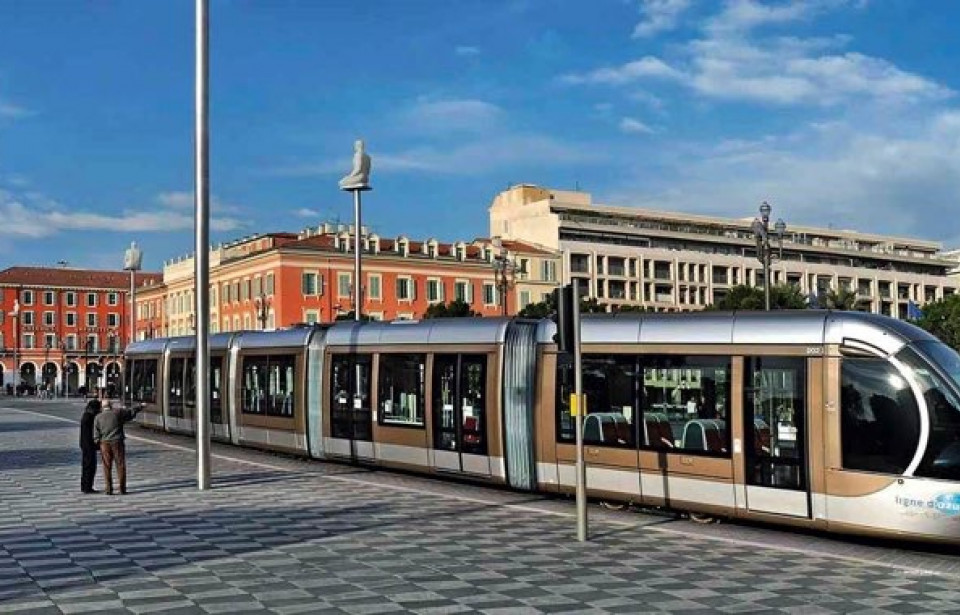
[843, 299]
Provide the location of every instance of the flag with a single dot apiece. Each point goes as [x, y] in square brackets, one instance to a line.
[913, 311]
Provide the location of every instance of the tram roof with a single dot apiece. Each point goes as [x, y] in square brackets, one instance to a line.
[297, 337]
[431, 331]
[813, 327]
[151, 346]
[218, 341]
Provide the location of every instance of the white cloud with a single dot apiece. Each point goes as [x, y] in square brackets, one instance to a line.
[899, 178]
[659, 16]
[467, 50]
[630, 72]
[11, 111]
[451, 115]
[305, 212]
[731, 61]
[176, 199]
[33, 215]
[634, 126]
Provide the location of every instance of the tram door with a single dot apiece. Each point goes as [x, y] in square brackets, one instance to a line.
[350, 415]
[459, 413]
[775, 435]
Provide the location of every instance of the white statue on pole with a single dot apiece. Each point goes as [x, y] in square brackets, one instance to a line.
[359, 177]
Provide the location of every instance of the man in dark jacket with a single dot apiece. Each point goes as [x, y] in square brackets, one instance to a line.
[88, 448]
[108, 433]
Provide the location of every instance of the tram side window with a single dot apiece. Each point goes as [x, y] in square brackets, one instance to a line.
[401, 389]
[610, 386]
[686, 404]
[175, 388]
[566, 428]
[268, 385]
[190, 384]
[942, 457]
[880, 419]
[216, 373]
[128, 370]
[145, 381]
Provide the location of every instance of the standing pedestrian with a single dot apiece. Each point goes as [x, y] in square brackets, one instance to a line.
[88, 448]
[108, 433]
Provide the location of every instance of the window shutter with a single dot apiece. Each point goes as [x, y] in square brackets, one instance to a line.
[413, 289]
[321, 284]
[399, 293]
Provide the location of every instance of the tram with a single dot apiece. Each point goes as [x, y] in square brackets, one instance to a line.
[842, 421]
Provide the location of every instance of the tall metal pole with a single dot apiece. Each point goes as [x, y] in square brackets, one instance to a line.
[16, 347]
[357, 284]
[766, 270]
[133, 308]
[202, 230]
[581, 410]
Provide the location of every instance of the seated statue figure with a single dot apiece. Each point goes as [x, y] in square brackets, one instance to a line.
[359, 177]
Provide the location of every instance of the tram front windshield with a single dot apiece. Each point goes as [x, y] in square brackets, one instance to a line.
[936, 367]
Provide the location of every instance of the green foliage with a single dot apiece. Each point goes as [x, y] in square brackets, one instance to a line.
[842, 300]
[592, 306]
[349, 316]
[454, 309]
[942, 319]
[743, 297]
[548, 308]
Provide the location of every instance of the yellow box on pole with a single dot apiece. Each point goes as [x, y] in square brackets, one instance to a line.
[575, 407]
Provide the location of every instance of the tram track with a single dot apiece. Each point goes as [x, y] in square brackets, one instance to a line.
[909, 559]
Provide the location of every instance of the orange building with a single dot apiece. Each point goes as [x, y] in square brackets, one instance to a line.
[277, 280]
[64, 328]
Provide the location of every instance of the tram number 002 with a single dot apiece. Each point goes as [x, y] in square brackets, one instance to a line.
[814, 351]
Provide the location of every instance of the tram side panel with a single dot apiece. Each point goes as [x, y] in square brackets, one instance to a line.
[548, 479]
[145, 381]
[269, 399]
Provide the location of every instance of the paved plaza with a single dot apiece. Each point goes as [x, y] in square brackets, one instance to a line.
[281, 535]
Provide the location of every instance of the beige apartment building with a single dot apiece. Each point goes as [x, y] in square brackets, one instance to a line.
[673, 261]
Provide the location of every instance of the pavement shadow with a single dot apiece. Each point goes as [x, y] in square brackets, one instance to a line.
[38, 458]
[224, 480]
[37, 425]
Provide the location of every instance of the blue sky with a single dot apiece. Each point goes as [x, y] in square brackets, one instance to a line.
[838, 112]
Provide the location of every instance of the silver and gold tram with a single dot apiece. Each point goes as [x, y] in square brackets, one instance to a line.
[842, 421]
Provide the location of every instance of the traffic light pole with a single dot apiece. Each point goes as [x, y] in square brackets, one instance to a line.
[581, 410]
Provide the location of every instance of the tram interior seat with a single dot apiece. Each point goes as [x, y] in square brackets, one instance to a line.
[606, 428]
[656, 430]
[470, 426]
[704, 435]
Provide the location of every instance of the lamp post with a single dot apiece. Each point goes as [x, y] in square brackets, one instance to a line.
[761, 232]
[132, 259]
[261, 303]
[504, 270]
[16, 346]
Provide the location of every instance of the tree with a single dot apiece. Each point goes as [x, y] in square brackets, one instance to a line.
[843, 299]
[592, 306]
[743, 297]
[349, 316]
[630, 308]
[548, 307]
[942, 319]
[455, 309]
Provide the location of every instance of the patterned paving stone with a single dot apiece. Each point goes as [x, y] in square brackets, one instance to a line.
[287, 536]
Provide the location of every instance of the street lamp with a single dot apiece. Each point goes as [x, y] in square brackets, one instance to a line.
[504, 270]
[761, 232]
[16, 345]
[262, 303]
[132, 259]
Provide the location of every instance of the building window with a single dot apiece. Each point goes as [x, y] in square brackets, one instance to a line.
[548, 271]
[373, 284]
[257, 286]
[236, 292]
[246, 322]
[245, 292]
[401, 389]
[269, 284]
[50, 340]
[91, 320]
[71, 299]
[308, 284]
[92, 343]
[226, 324]
[311, 317]
[27, 297]
[48, 297]
[28, 341]
[49, 319]
[524, 298]
[28, 318]
[489, 295]
[112, 299]
[113, 320]
[268, 385]
[343, 284]
[404, 289]
[71, 342]
[461, 291]
[91, 299]
[225, 293]
[434, 291]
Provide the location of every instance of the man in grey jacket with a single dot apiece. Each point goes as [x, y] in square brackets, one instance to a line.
[108, 435]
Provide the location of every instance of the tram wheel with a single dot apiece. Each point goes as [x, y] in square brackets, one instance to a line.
[703, 518]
